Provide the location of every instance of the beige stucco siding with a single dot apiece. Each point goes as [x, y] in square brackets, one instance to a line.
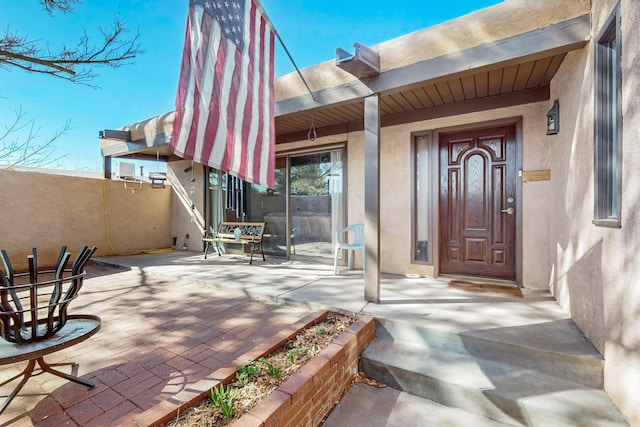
[536, 198]
[574, 257]
[596, 269]
[622, 263]
[47, 211]
[187, 207]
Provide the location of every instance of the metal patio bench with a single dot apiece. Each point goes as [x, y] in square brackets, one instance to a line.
[237, 233]
[33, 316]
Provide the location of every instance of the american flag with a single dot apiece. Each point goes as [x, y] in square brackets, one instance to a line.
[225, 93]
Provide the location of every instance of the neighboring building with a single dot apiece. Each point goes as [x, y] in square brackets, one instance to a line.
[462, 163]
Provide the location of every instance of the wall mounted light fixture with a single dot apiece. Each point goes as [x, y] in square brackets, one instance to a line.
[553, 119]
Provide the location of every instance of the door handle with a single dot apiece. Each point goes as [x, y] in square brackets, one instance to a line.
[508, 211]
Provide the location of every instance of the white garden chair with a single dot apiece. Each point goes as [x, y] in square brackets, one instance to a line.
[357, 244]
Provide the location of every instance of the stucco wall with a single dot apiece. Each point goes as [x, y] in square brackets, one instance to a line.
[47, 211]
[574, 256]
[596, 269]
[187, 207]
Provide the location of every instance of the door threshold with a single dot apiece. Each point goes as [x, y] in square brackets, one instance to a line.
[479, 280]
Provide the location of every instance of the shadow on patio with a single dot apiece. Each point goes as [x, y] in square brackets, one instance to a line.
[170, 320]
[160, 339]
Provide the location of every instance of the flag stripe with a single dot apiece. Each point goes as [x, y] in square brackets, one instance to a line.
[215, 66]
[248, 140]
[238, 148]
[268, 158]
[204, 66]
[234, 89]
[257, 149]
[225, 97]
[184, 114]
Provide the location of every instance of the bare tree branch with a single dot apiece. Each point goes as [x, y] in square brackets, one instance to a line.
[76, 63]
[61, 5]
[19, 150]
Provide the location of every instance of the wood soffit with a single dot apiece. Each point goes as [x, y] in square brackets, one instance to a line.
[508, 72]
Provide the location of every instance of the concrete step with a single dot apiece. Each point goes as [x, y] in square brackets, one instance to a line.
[557, 348]
[364, 405]
[462, 377]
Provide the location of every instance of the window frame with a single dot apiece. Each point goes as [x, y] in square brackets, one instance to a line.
[608, 123]
[428, 170]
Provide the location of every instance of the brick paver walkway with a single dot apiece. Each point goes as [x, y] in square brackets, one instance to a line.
[160, 341]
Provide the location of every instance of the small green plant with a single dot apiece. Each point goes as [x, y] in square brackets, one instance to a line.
[273, 371]
[320, 330]
[242, 376]
[241, 379]
[330, 318]
[251, 369]
[226, 406]
[223, 397]
[218, 394]
[294, 353]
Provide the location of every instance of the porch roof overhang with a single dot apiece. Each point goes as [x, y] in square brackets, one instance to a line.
[512, 71]
[147, 140]
[143, 149]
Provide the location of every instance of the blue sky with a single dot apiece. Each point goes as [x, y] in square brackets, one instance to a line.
[311, 30]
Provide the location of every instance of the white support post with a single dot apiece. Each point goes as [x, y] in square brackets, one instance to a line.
[372, 198]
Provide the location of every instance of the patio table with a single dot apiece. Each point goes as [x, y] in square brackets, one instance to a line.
[77, 329]
[34, 320]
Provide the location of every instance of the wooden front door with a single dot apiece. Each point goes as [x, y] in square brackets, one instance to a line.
[477, 202]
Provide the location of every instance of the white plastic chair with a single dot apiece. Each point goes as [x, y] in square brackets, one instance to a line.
[356, 245]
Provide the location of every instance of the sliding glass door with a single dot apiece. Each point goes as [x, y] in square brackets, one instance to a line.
[270, 206]
[302, 212]
[316, 196]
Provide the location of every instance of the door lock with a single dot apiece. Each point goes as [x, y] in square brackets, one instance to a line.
[508, 211]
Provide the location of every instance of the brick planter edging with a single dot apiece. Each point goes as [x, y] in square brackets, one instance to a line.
[308, 396]
[343, 352]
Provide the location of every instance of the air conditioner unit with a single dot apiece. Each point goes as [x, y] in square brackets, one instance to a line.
[126, 170]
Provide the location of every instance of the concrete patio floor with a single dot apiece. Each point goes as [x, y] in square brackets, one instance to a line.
[314, 286]
[171, 319]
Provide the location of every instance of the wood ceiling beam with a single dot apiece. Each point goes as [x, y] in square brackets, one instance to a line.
[353, 126]
[512, 99]
[522, 97]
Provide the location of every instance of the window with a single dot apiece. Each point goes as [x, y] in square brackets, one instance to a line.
[608, 124]
[422, 199]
